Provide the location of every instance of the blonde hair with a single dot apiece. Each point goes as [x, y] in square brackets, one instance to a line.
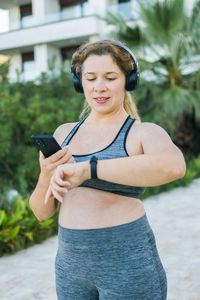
[122, 59]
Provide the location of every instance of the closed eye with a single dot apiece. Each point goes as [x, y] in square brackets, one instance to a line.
[106, 78]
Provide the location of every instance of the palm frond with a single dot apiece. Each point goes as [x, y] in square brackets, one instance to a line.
[124, 32]
[163, 18]
[178, 48]
[166, 42]
[195, 26]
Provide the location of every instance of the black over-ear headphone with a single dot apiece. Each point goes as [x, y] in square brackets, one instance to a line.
[132, 78]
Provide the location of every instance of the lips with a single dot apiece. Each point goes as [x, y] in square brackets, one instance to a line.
[101, 100]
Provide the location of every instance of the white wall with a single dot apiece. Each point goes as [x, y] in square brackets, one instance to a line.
[54, 52]
[99, 7]
[15, 64]
[43, 54]
[42, 8]
[14, 18]
[51, 6]
[41, 60]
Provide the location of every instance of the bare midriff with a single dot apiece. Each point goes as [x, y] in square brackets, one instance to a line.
[87, 208]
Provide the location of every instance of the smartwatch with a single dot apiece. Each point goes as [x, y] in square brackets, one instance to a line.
[93, 167]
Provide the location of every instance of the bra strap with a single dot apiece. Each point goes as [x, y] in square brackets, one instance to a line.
[120, 139]
[71, 134]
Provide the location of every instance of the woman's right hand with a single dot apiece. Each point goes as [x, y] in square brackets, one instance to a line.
[49, 164]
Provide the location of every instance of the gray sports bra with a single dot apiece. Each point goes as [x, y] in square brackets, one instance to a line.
[116, 149]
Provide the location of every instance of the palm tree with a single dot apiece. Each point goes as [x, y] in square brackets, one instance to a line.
[167, 42]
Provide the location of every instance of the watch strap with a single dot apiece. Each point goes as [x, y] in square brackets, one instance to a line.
[93, 167]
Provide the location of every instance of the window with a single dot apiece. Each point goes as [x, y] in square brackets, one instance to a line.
[28, 62]
[25, 10]
[73, 8]
[122, 1]
[70, 2]
[26, 16]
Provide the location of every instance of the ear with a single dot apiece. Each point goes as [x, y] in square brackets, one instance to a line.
[132, 81]
[77, 84]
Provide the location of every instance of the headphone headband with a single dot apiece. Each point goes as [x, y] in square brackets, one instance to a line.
[116, 43]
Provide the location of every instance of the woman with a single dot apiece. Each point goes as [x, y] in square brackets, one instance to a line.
[107, 249]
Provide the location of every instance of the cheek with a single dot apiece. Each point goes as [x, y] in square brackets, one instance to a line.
[118, 88]
[87, 86]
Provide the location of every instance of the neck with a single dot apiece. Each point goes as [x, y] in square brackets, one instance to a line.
[98, 119]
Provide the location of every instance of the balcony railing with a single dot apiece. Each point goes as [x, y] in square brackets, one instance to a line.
[66, 14]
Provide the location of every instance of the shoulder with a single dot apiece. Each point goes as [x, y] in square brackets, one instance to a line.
[147, 128]
[154, 138]
[62, 131]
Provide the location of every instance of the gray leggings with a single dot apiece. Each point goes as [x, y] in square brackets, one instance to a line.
[118, 262]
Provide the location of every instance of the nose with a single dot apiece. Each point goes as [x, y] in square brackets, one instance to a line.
[100, 86]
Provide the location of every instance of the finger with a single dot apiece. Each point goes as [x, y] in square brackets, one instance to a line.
[56, 187]
[71, 160]
[57, 196]
[62, 171]
[69, 157]
[62, 161]
[61, 182]
[59, 172]
[41, 155]
[58, 155]
[48, 196]
[58, 179]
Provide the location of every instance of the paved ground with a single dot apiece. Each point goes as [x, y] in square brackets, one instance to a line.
[175, 219]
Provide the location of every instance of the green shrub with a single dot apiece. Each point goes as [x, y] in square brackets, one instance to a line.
[26, 109]
[20, 229]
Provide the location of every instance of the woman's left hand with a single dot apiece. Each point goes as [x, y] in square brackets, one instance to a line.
[73, 174]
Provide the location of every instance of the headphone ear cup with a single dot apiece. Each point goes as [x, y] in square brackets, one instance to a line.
[132, 81]
[77, 84]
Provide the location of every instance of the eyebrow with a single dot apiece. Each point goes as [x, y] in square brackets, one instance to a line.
[105, 73]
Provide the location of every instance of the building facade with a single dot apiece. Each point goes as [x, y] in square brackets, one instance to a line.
[45, 33]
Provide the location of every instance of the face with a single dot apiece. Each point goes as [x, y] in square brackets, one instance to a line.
[103, 83]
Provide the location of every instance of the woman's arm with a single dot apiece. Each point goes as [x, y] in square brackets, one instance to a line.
[36, 201]
[40, 211]
[162, 161]
[47, 167]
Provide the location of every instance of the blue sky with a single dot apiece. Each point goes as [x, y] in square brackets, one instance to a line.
[3, 20]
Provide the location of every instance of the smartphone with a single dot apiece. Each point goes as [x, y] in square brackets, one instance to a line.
[46, 143]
